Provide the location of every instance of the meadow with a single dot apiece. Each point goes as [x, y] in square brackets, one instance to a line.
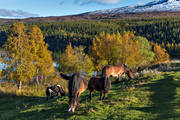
[152, 96]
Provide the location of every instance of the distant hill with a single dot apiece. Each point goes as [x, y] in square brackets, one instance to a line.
[87, 16]
[157, 8]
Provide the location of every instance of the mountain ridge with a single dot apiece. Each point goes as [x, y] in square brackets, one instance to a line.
[154, 6]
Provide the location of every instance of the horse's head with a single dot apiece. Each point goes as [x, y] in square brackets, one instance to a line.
[73, 102]
[61, 91]
[130, 74]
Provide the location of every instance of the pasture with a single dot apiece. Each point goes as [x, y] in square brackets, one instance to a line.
[153, 96]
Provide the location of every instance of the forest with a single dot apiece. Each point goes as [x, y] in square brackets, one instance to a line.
[164, 31]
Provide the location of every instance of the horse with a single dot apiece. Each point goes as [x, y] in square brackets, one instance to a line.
[77, 85]
[97, 83]
[53, 91]
[116, 71]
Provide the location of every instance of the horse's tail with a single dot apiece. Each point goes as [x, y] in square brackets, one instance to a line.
[104, 72]
[65, 76]
[107, 84]
[106, 79]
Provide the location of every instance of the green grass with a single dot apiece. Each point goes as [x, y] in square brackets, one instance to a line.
[150, 97]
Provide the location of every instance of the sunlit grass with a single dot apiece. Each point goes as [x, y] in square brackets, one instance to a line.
[150, 97]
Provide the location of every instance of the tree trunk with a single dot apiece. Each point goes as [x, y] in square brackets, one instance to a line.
[37, 76]
[20, 85]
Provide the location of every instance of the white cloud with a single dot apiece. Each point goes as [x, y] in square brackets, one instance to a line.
[16, 13]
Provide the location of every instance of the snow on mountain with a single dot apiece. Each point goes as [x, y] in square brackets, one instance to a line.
[157, 5]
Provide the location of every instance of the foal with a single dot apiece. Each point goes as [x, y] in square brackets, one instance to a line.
[97, 83]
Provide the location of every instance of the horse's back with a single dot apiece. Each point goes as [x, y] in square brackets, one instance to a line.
[96, 83]
[109, 70]
[77, 84]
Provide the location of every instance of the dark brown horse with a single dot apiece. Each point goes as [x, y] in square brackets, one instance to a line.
[77, 85]
[116, 71]
[97, 83]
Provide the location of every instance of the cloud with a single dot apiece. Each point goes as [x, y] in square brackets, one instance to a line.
[16, 13]
[106, 2]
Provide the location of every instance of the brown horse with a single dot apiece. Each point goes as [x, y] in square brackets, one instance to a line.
[116, 71]
[97, 83]
[77, 85]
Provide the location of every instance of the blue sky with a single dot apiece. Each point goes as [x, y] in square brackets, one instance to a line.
[33, 8]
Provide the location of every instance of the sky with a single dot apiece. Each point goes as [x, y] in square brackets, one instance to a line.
[43, 8]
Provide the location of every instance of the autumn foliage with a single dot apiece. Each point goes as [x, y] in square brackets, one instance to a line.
[161, 54]
[26, 56]
[75, 60]
[115, 48]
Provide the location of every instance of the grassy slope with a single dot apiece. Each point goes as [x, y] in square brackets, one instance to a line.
[156, 97]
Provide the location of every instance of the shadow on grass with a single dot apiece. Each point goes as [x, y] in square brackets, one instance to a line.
[164, 91]
[14, 107]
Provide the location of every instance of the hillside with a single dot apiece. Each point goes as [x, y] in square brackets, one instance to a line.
[88, 16]
[151, 97]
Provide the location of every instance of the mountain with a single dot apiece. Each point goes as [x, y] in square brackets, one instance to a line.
[158, 8]
[155, 6]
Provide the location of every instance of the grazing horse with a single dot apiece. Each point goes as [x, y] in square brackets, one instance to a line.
[77, 85]
[97, 83]
[53, 91]
[116, 71]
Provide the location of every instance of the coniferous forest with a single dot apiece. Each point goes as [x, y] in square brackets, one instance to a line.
[164, 31]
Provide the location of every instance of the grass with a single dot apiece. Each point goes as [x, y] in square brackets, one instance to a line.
[150, 97]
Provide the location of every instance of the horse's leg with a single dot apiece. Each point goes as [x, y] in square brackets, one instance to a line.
[104, 94]
[105, 82]
[100, 95]
[117, 79]
[90, 95]
[78, 99]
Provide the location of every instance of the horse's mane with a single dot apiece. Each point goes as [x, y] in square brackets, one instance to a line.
[126, 68]
[75, 83]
